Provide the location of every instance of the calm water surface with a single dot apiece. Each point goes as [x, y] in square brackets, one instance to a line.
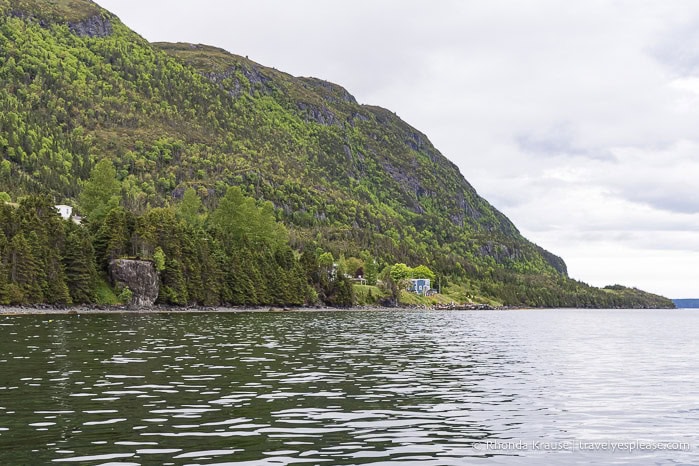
[427, 388]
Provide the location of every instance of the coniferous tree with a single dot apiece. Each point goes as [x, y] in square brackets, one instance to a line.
[56, 287]
[227, 276]
[38, 258]
[25, 272]
[243, 280]
[112, 239]
[45, 230]
[4, 282]
[8, 223]
[297, 284]
[340, 293]
[310, 266]
[291, 277]
[4, 286]
[173, 287]
[79, 261]
[212, 275]
[191, 244]
[272, 281]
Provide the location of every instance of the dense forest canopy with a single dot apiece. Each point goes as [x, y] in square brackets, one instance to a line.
[245, 164]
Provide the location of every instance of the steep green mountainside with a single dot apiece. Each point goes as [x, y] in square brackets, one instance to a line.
[384, 175]
[353, 179]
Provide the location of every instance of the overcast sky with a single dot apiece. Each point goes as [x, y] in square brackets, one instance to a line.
[578, 120]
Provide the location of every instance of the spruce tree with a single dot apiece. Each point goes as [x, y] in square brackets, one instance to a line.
[25, 270]
[44, 229]
[4, 284]
[173, 288]
[192, 241]
[79, 262]
[4, 281]
[340, 293]
[56, 287]
[113, 237]
[212, 275]
[243, 280]
[311, 269]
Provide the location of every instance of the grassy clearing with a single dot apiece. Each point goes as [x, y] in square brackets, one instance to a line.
[411, 299]
[459, 293]
[105, 294]
[367, 295]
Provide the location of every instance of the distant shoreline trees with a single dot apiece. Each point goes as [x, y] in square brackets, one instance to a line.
[238, 254]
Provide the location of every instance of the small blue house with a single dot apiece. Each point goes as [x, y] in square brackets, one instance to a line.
[419, 285]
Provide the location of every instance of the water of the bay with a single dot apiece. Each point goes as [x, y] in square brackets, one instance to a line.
[409, 387]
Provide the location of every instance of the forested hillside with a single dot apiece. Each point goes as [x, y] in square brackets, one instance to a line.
[345, 179]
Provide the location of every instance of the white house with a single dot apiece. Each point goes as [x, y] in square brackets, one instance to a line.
[66, 211]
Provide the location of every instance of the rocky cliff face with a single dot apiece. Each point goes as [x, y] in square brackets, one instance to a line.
[84, 18]
[139, 276]
[94, 26]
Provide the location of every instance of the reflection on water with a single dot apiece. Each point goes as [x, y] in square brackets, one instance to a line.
[429, 388]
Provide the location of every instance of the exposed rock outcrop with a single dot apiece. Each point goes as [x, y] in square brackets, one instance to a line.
[139, 276]
[321, 115]
[500, 252]
[94, 26]
[257, 80]
[554, 261]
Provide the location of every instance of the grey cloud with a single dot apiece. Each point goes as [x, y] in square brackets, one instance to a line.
[558, 140]
[683, 200]
[678, 47]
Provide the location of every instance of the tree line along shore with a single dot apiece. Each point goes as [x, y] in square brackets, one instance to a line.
[236, 255]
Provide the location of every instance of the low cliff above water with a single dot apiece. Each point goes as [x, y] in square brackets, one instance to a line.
[139, 277]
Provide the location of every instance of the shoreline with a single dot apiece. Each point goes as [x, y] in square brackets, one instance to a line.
[47, 309]
[16, 311]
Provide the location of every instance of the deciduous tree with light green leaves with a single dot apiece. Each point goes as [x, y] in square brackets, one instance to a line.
[400, 272]
[241, 221]
[159, 259]
[422, 271]
[191, 208]
[100, 192]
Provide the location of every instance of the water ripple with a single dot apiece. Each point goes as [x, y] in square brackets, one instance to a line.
[423, 388]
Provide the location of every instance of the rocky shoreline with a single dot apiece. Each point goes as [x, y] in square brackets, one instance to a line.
[39, 309]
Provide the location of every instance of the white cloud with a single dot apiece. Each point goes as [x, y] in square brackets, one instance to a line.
[577, 119]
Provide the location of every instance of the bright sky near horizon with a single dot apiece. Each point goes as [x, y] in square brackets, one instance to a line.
[578, 120]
